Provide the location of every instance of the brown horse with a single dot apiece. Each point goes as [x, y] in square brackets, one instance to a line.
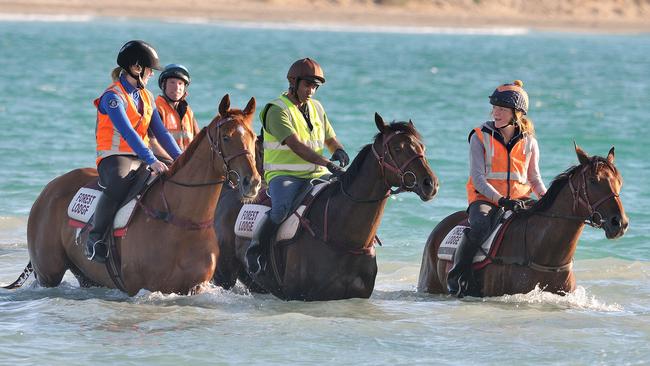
[338, 260]
[539, 244]
[172, 256]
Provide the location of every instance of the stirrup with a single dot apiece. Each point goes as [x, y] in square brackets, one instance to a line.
[95, 256]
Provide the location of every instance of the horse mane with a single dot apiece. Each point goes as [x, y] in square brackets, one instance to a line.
[355, 166]
[597, 163]
[187, 154]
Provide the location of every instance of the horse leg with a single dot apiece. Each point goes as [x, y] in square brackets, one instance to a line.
[46, 250]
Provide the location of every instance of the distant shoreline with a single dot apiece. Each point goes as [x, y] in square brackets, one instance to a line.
[415, 17]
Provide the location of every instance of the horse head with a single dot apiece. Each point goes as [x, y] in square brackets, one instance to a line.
[400, 153]
[233, 139]
[596, 188]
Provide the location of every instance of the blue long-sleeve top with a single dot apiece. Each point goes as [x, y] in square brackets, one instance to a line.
[111, 104]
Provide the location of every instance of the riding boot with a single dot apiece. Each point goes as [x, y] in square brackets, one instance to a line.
[255, 254]
[461, 277]
[96, 247]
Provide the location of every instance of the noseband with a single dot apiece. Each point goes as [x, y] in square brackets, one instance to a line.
[232, 176]
[581, 198]
[387, 161]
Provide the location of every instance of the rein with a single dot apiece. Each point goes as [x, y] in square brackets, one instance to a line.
[216, 149]
[393, 166]
[581, 198]
[593, 218]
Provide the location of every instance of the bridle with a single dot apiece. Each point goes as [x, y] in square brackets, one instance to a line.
[215, 143]
[216, 149]
[387, 161]
[581, 200]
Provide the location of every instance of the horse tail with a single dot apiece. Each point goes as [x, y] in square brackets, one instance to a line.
[22, 278]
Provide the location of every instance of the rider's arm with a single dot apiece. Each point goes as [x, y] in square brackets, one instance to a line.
[304, 151]
[533, 174]
[113, 105]
[477, 170]
[163, 136]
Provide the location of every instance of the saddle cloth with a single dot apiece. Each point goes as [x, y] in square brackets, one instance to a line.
[84, 203]
[488, 248]
[250, 216]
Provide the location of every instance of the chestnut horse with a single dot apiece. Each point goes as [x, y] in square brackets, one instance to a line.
[338, 260]
[540, 242]
[176, 255]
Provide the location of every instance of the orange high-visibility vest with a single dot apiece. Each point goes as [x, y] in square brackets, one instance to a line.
[506, 171]
[109, 140]
[183, 131]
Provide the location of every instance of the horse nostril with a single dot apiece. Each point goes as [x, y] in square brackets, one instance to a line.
[246, 181]
[615, 221]
[428, 182]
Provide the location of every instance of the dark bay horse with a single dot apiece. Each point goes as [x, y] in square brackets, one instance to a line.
[338, 261]
[539, 245]
[173, 256]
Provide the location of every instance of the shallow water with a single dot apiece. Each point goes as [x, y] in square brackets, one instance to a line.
[591, 88]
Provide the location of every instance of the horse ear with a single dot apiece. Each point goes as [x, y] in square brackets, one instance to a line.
[250, 107]
[583, 158]
[610, 155]
[411, 123]
[381, 125]
[224, 106]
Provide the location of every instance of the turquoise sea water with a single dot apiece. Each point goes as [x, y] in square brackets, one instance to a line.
[593, 89]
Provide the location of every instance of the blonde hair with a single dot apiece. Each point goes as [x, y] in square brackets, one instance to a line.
[115, 74]
[525, 124]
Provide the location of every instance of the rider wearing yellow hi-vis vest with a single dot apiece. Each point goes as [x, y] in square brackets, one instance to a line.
[296, 132]
[504, 170]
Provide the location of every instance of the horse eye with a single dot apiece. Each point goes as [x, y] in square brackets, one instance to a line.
[226, 138]
[593, 180]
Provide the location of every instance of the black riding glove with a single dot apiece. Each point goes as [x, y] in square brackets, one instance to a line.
[513, 205]
[341, 156]
[334, 169]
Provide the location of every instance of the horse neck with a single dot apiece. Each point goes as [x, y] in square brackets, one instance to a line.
[356, 223]
[201, 168]
[553, 241]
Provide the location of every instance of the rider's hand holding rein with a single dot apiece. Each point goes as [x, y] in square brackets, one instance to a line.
[158, 167]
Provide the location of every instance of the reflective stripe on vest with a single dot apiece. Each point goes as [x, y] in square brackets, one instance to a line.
[498, 167]
[108, 138]
[280, 159]
[181, 132]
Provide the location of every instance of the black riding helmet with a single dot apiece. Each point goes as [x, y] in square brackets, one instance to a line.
[511, 96]
[177, 71]
[138, 53]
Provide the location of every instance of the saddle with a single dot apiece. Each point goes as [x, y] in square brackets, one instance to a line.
[250, 215]
[489, 245]
[82, 206]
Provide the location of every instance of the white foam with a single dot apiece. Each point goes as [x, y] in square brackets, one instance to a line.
[11, 17]
[328, 27]
[579, 299]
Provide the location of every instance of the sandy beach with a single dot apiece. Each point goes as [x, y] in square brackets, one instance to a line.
[601, 16]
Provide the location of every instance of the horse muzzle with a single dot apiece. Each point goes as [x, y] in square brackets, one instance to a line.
[615, 226]
[427, 188]
[249, 186]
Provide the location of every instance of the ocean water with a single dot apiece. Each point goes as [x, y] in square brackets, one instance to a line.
[592, 89]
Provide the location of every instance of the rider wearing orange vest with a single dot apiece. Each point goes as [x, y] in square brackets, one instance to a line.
[175, 112]
[504, 170]
[125, 114]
